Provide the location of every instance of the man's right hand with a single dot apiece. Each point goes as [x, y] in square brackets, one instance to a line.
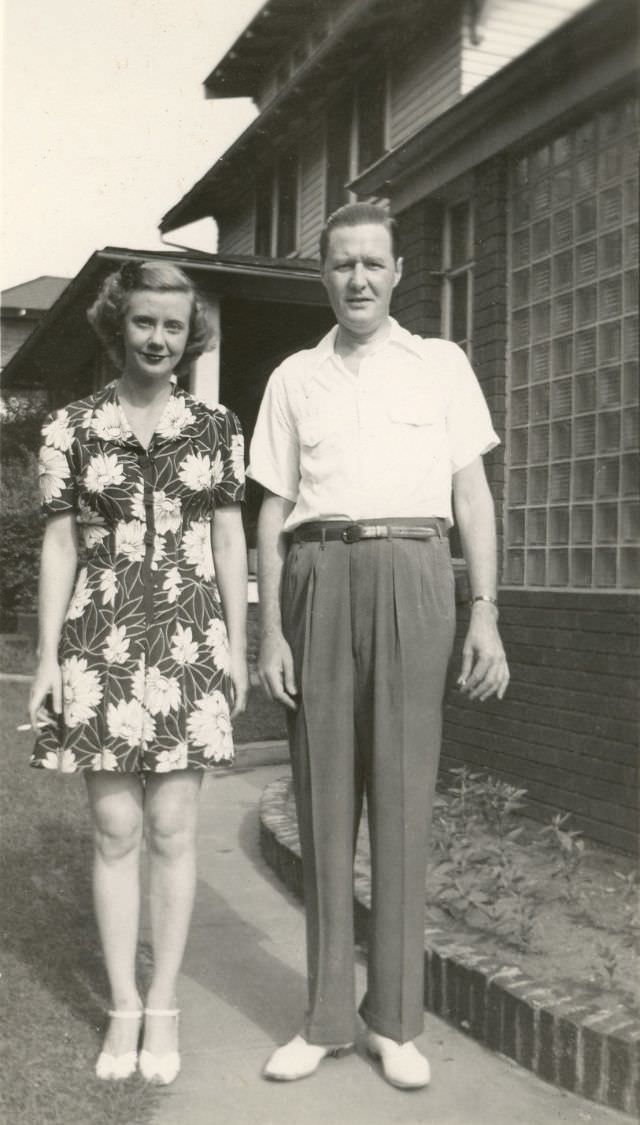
[275, 670]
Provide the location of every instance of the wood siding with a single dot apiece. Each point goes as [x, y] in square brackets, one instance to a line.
[425, 81]
[506, 29]
[312, 183]
[236, 231]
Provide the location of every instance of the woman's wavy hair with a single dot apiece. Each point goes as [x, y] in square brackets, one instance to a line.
[108, 310]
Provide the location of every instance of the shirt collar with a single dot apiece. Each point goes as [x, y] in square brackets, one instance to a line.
[398, 337]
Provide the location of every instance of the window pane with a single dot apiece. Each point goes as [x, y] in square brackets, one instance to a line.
[460, 245]
[630, 568]
[538, 484]
[559, 525]
[518, 486]
[287, 205]
[264, 213]
[372, 95]
[606, 523]
[515, 568]
[459, 308]
[338, 155]
[558, 568]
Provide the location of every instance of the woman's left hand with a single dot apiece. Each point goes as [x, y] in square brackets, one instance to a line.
[239, 674]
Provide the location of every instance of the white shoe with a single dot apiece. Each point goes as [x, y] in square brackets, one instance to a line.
[402, 1063]
[162, 1070]
[299, 1059]
[118, 1067]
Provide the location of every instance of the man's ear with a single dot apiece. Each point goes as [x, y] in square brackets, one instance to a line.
[398, 271]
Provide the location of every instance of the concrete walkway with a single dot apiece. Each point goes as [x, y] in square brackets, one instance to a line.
[243, 991]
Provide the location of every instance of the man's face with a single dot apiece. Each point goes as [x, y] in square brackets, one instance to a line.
[360, 274]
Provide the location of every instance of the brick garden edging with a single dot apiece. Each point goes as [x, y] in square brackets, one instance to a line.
[588, 1050]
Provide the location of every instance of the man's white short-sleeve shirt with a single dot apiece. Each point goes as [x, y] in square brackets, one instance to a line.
[382, 443]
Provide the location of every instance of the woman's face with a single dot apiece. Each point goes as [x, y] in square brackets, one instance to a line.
[155, 330]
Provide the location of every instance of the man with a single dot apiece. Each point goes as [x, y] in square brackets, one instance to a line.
[358, 445]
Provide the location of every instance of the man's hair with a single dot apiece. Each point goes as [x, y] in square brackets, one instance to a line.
[356, 215]
[107, 313]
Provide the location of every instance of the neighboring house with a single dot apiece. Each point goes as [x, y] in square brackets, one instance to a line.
[504, 137]
[22, 308]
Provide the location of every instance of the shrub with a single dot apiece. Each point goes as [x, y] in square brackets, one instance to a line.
[20, 520]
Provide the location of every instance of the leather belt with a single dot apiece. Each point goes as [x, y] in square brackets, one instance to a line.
[326, 531]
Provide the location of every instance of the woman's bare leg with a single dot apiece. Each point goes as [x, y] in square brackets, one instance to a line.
[171, 813]
[116, 806]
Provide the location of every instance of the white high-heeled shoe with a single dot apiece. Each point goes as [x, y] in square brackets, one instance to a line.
[162, 1070]
[118, 1067]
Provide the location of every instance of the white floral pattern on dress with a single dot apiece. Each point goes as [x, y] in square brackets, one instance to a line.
[195, 471]
[81, 596]
[196, 547]
[58, 433]
[103, 470]
[184, 649]
[237, 456]
[116, 649]
[110, 424]
[108, 586]
[53, 471]
[219, 643]
[144, 654]
[167, 513]
[130, 539]
[210, 727]
[176, 759]
[81, 690]
[130, 722]
[172, 584]
[175, 418]
[161, 693]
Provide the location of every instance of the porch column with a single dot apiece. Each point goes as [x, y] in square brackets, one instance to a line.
[204, 378]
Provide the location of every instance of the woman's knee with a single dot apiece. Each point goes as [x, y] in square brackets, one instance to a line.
[117, 838]
[171, 816]
[116, 811]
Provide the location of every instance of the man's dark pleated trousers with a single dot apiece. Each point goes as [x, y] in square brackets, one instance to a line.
[371, 628]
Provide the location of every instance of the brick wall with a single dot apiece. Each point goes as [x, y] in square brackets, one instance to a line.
[567, 728]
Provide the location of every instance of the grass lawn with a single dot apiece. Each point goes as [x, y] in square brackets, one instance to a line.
[53, 986]
[54, 989]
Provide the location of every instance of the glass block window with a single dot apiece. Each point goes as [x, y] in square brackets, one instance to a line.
[457, 274]
[573, 489]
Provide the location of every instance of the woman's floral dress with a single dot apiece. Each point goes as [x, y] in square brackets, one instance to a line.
[144, 650]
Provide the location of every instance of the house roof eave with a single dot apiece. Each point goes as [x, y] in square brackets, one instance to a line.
[586, 37]
[332, 64]
[292, 281]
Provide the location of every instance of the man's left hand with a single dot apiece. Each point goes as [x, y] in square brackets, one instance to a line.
[484, 670]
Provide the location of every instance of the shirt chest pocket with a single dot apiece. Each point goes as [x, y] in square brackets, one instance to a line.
[413, 411]
[320, 427]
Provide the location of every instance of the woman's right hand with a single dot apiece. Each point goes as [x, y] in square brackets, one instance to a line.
[47, 681]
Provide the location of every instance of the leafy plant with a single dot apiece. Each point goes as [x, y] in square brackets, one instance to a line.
[570, 851]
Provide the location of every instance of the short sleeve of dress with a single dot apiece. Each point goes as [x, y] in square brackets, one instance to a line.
[275, 450]
[57, 476]
[229, 471]
[469, 426]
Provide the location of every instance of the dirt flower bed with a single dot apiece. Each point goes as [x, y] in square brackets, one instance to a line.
[565, 911]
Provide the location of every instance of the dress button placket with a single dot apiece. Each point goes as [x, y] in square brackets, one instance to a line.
[147, 469]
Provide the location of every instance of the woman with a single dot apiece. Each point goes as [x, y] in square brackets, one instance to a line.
[141, 663]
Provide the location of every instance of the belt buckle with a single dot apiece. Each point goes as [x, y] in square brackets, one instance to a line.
[352, 534]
